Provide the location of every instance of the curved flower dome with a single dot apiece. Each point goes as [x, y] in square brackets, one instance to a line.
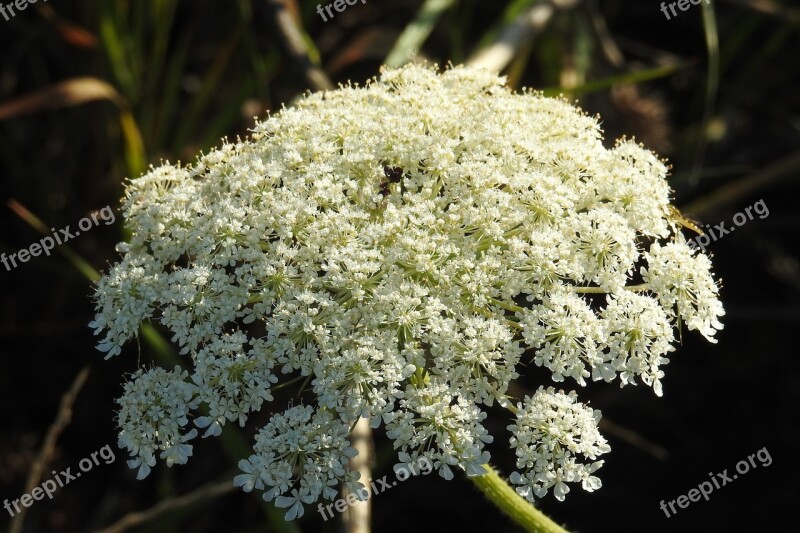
[407, 246]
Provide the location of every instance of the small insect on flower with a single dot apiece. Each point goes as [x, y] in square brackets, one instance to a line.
[683, 220]
[393, 175]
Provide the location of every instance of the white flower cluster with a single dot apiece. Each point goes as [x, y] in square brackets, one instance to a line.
[401, 247]
[552, 431]
[440, 425]
[300, 445]
[153, 415]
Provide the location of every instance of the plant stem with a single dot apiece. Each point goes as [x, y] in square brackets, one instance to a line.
[512, 504]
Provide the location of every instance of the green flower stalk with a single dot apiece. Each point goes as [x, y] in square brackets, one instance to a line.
[403, 248]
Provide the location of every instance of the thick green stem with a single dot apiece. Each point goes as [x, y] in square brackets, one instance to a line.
[512, 504]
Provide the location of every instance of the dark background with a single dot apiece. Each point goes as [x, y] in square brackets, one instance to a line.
[184, 74]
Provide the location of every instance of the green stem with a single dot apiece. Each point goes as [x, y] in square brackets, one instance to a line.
[512, 504]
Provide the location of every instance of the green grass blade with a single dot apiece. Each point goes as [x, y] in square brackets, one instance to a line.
[512, 11]
[211, 82]
[622, 79]
[712, 85]
[114, 47]
[412, 37]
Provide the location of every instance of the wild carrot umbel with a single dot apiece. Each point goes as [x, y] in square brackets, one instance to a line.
[404, 246]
